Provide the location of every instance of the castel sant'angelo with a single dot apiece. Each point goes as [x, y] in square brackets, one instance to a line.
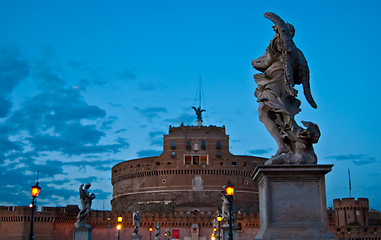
[188, 176]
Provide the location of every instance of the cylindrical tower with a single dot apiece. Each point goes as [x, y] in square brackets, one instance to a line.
[188, 176]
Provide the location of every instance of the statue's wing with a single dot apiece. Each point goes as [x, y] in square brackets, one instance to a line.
[303, 77]
[288, 47]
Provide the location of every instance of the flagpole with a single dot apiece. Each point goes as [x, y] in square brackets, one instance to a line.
[350, 185]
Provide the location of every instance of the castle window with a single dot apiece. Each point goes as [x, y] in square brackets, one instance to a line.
[244, 164]
[188, 145]
[218, 154]
[188, 160]
[195, 147]
[203, 145]
[157, 163]
[173, 145]
[204, 160]
[218, 145]
[196, 160]
[234, 163]
[173, 154]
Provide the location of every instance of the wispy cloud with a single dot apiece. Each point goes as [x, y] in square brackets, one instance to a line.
[156, 137]
[151, 112]
[148, 153]
[357, 159]
[185, 118]
[260, 151]
[150, 86]
[13, 69]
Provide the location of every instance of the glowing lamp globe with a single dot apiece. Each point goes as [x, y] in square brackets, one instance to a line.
[35, 190]
[219, 218]
[120, 219]
[118, 227]
[150, 229]
[229, 189]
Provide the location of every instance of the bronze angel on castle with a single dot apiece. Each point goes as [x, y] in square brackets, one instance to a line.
[283, 66]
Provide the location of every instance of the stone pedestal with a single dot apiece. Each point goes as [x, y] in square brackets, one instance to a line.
[82, 233]
[292, 202]
[136, 237]
[225, 231]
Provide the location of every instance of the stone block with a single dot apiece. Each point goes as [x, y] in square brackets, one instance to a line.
[292, 202]
[81, 233]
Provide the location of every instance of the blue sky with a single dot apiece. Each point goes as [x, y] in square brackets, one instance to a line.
[87, 84]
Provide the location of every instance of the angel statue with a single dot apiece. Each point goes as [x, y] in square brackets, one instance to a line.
[86, 200]
[199, 111]
[283, 66]
[157, 231]
[136, 222]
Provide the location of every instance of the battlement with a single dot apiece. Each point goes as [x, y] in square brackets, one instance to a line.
[198, 129]
[351, 203]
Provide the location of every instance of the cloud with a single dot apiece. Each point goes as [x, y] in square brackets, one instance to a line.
[185, 118]
[127, 76]
[156, 137]
[13, 69]
[151, 112]
[97, 164]
[260, 151]
[150, 86]
[148, 153]
[54, 122]
[357, 159]
[121, 130]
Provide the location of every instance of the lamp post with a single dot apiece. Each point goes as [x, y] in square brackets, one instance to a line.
[219, 219]
[229, 193]
[35, 191]
[150, 232]
[119, 226]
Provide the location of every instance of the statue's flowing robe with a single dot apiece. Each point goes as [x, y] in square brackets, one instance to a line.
[271, 90]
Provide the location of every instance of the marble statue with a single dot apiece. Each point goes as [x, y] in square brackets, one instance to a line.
[86, 200]
[169, 234]
[225, 207]
[283, 66]
[136, 222]
[157, 231]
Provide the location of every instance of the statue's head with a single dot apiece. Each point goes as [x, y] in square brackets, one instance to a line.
[87, 185]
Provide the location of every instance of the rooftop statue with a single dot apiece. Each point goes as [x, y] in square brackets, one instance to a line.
[199, 111]
[86, 200]
[283, 66]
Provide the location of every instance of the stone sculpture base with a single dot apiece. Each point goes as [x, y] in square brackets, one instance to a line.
[136, 237]
[82, 233]
[225, 231]
[292, 202]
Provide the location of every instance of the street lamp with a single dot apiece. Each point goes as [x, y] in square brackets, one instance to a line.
[150, 232]
[229, 193]
[119, 226]
[219, 219]
[35, 191]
